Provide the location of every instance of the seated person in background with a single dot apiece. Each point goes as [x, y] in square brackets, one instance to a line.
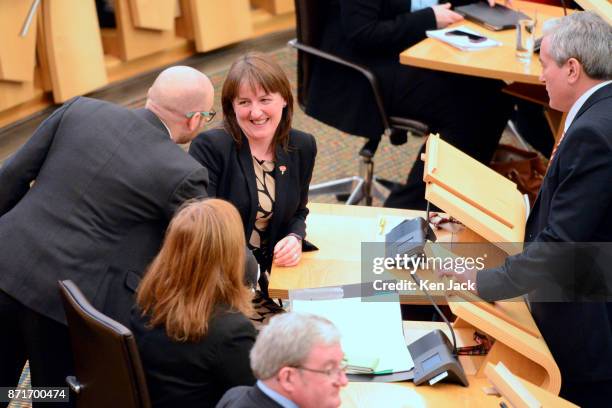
[468, 112]
[565, 265]
[298, 361]
[259, 163]
[190, 324]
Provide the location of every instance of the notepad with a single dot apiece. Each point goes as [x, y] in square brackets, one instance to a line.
[463, 43]
[361, 363]
[371, 330]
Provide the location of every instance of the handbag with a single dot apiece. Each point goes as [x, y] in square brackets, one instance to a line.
[523, 167]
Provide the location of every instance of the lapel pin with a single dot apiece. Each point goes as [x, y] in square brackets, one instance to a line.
[282, 169]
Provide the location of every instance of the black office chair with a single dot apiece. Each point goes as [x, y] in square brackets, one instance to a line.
[310, 20]
[107, 363]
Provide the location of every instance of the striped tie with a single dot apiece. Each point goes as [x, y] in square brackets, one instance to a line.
[555, 148]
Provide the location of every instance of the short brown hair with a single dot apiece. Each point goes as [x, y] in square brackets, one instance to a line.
[257, 69]
[200, 265]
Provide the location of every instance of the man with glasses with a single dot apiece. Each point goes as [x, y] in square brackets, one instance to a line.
[87, 198]
[298, 362]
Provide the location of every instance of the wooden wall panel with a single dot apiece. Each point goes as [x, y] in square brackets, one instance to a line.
[275, 6]
[16, 52]
[73, 47]
[218, 23]
[128, 42]
[153, 14]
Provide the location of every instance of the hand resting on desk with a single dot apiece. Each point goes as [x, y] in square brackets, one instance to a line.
[287, 251]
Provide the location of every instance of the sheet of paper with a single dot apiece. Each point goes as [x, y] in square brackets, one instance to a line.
[462, 42]
[368, 328]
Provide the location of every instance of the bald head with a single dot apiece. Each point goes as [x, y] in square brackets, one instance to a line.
[181, 89]
[176, 91]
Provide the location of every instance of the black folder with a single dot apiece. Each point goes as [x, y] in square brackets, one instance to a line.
[494, 18]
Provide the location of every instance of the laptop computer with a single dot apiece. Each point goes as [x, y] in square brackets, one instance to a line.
[494, 18]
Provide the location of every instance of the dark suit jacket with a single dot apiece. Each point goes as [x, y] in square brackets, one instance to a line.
[100, 172]
[246, 397]
[232, 177]
[371, 33]
[573, 206]
[196, 374]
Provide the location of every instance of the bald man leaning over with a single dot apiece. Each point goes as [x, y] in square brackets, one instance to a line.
[90, 175]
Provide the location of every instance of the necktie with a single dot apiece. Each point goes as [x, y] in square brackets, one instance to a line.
[552, 155]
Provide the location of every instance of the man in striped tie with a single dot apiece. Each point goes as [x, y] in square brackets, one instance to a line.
[566, 265]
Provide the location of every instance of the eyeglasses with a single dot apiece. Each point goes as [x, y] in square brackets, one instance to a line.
[208, 116]
[330, 372]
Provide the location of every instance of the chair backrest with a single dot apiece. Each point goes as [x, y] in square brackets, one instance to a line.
[107, 363]
[311, 16]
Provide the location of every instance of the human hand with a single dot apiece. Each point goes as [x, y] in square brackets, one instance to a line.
[287, 251]
[445, 16]
[466, 279]
[507, 3]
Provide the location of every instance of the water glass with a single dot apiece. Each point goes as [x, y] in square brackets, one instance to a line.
[525, 38]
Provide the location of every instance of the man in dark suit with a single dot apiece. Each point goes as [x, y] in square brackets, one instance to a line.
[76, 198]
[565, 266]
[298, 361]
[468, 112]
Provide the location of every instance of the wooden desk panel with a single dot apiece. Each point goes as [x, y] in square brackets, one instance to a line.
[338, 231]
[497, 62]
[73, 48]
[16, 52]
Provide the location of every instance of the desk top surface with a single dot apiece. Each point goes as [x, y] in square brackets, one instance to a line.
[496, 62]
[338, 231]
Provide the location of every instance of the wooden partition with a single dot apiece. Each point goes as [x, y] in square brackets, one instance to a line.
[17, 55]
[129, 42]
[153, 14]
[73, 48]
[209, 19]
[275, 6]
[65, 53]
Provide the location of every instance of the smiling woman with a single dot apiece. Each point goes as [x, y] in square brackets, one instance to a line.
[259, 163]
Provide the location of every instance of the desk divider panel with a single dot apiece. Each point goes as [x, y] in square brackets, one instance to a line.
[209, 19]
[480, 198]
[153, 14]
[17, 52]
[73, 48]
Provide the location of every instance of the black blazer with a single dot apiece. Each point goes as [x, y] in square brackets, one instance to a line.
[195, 374]
[246, 397]
[101, 173]
[371, 33]
[574, 205]
[232, 178]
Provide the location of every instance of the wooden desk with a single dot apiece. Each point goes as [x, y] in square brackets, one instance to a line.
[338, 231]
[406, 394]
[496, 63]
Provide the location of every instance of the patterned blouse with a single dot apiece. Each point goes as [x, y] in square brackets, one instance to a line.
[264, 174]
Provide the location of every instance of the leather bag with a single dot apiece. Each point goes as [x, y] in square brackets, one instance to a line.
[523, 167]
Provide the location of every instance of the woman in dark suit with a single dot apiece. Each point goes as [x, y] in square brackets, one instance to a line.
[190, 324]
[259, 163]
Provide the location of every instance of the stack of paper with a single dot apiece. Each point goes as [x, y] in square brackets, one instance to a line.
[372, 334]
[462, 42]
